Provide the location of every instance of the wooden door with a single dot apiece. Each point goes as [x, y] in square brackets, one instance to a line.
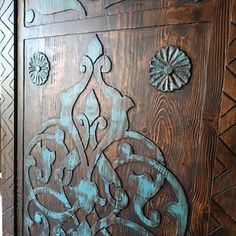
[117, 114]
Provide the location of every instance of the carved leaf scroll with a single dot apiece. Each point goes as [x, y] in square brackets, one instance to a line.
[50, 7]
[47, 7]
[86, 153]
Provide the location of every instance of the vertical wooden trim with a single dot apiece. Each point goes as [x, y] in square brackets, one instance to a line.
[223, 208]
[210, 115]
[7, 52]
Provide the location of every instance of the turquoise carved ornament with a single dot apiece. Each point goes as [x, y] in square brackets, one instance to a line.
[64, 170]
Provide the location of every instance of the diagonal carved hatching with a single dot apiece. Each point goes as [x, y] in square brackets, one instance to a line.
[86, 154]
[223, 208]
[7, 162]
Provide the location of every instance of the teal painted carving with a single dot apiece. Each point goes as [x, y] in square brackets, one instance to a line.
[39, 68]
[30, 15]
[170, 69]
[60, 163]
[48, 7]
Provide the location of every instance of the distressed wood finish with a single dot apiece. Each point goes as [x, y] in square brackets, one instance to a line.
[7, 49]
[44, 12]
[182, 123]
[223, 205]
[94, 116]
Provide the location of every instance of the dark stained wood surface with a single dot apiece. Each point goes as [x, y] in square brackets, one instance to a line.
[183, 123]
[165, 118]
[184, 115]
[223, 204]
[43, 14]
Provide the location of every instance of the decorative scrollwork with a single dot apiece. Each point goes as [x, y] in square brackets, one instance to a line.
[47, 7]
[49, 157]
[170, 69]
[39, 68]
[51, 7]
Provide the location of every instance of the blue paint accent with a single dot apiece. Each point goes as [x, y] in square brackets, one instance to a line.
[48, 158]
[83, 230]
[91, 107]
[59, 196]
[179, 209]
[147, 189]
[87, 194]
[41, 219]
[86, 151]
[48, 7]
[107, 173]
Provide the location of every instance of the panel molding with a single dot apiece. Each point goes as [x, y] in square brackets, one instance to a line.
[200, 13]
[43, 12]
[83, 126]
[27, 34]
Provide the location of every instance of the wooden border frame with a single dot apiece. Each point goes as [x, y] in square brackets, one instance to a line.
[8, 72]
[8, 104]
[222, 221]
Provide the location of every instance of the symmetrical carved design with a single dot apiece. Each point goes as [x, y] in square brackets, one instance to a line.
[39, 68]
[223, 205]
[170, 69]
[73, 147]
[7, 112]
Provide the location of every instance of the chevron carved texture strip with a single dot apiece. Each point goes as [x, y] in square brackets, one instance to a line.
[223, 204]
[7, 112]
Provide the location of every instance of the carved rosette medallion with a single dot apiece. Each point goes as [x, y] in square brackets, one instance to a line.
[170, 69]
[39, 68]
[62, 159]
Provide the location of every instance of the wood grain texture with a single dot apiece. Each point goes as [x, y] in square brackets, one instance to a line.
[190, 14]
[43, 12]
[160, 115]
[223, 206]
[7, 112]
[183, 123]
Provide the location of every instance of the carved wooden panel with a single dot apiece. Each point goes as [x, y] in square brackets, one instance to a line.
[7, 112]
[81, 134]
[83, 124]
[99, 149]
[51, 11]
[223, 205]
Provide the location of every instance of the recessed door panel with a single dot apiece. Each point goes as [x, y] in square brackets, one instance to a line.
[112, 123]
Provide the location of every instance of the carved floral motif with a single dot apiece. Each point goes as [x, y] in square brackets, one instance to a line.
[63, 164]
[39, 68]
[170, 69]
